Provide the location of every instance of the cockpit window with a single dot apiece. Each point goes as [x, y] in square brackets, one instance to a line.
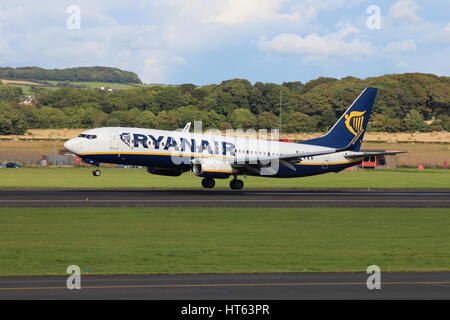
[88, 136]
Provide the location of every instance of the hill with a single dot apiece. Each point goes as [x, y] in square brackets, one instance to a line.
[99, 74]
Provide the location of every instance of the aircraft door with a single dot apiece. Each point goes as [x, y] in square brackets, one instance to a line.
[114, 140]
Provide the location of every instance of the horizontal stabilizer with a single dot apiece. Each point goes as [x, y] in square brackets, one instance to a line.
[353, 155]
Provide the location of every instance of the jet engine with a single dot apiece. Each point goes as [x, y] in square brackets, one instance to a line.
[212, 168]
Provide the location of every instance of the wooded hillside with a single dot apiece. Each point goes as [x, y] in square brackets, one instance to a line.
[102, 74]
[405, 103]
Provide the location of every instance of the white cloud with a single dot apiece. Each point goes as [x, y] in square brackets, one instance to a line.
[5, 51]
[314, 46]
[445, 34]
[257, 11]
[239, 11]
[158, 65]
[155, 38]
[169, 30]
[196, 24]
[400, 53]
[405, 11]
[230, 12]
[407, 46]
[100, 41]
[440, 35]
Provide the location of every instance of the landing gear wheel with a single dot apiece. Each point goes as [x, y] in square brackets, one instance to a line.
[208, 183]
[236, 184]
[96, 173]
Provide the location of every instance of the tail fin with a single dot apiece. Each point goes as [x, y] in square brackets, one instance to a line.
[348, 131]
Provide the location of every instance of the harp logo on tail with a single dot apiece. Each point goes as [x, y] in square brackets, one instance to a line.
[354, 123]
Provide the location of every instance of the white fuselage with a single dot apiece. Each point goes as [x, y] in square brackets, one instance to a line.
[159, 148]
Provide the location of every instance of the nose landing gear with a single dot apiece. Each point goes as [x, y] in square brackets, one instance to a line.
[96, 173]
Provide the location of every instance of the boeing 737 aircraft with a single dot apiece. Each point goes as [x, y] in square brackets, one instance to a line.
[170, 153]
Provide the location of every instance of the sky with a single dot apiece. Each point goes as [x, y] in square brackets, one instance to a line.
[208, 41]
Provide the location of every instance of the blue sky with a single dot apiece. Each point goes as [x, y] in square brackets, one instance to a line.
[208, 41]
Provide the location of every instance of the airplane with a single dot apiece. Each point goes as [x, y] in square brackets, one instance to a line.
[209, 156]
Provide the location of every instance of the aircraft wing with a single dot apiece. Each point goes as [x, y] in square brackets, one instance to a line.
[292, 157]
[353, 155]
[284, 159]
[287, 160]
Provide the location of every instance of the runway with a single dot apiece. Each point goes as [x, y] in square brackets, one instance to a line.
[285, 286]
[225, 198]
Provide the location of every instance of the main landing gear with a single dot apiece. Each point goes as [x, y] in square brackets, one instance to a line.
[235, 184]
[208, 183]
[96, 173]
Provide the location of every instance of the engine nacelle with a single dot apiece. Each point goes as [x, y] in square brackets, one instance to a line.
[212, 168]
[164, 171]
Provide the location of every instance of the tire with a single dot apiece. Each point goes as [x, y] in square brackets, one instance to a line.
[96, 173]
[236, 184]
[208, 183]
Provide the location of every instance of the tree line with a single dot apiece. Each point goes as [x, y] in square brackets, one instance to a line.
[100, 74]
[405, 103]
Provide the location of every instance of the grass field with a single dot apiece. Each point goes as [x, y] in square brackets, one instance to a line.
[428, 154]
[88, 84]
[43, 241]
[94, 84]
[114, 178]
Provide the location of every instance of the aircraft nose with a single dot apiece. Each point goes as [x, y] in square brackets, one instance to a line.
[72, 145]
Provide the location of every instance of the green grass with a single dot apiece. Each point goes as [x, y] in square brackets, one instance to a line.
[88, 84]
[25, 88]
[95, 84]
[117, 86]
[44, 241]
[139, 178]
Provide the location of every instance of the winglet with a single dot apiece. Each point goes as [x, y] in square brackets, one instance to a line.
[187, 127]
